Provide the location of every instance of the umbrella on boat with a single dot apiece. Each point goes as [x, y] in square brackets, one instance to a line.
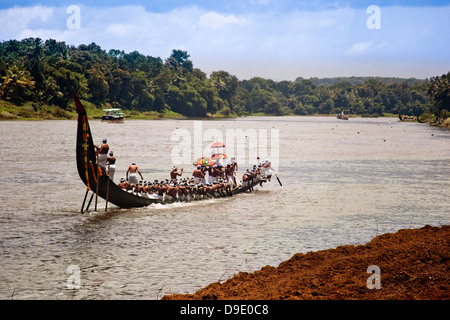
[203, 161]
[217, 145]
[216, 156]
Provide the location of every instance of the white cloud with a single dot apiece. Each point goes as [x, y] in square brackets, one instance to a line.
[215, 20]
[15, 20]
[359, 48]
[120, 29]
[265, 41]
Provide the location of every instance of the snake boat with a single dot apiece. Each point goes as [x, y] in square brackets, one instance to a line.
[96, 179]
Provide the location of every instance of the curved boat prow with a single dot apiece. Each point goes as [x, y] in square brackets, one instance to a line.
[85, 147]
[78, 105]
[92, 175]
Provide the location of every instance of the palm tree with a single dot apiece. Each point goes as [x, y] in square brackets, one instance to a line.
[51, 90]
[16, 83]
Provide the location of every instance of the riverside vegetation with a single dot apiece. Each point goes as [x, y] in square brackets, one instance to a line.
[36, 78]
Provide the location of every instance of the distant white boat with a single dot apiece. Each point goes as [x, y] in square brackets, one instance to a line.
[113, 115]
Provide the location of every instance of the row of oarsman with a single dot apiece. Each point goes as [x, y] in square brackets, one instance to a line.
[179, 190]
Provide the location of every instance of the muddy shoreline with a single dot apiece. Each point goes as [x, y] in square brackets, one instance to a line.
[414, 264]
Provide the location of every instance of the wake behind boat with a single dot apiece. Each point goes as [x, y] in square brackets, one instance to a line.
[96, 178]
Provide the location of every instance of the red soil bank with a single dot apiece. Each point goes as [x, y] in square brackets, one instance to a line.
[414, 264]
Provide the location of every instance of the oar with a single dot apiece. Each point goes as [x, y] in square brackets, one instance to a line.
[85, 196]
[107, 188]
[276, 176]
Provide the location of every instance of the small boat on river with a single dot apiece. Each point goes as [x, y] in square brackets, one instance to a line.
[341, 116]
[113, 115]
[403, 117]
[96, 177]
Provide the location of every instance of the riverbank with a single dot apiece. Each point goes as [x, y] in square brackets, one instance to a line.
[32, 112]
[413, 264]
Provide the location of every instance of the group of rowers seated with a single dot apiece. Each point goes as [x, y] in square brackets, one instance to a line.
[197, 187]
[182, 189]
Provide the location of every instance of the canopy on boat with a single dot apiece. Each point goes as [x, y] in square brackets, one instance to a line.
[216, 156]
[217, 145]
[203, 161]
[114, 109]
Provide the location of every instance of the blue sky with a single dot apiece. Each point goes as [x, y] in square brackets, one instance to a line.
[280, 39]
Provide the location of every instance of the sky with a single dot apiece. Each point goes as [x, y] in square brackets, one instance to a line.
[279, 40]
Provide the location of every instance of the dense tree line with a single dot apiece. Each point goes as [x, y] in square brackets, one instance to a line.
[303, 97]
[359, 80]
[44, 72]
[439, 90]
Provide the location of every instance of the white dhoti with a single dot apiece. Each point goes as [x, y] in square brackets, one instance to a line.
[102, 160]
[235, 179]
[112, 169]
[132, 178]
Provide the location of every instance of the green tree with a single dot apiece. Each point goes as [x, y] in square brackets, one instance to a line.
[326, 107]
[179, 61]
[51, 91]
[439, 90]
[226, 85]
[17, 83]
[98, 86]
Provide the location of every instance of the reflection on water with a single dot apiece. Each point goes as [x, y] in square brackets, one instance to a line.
[344, 182]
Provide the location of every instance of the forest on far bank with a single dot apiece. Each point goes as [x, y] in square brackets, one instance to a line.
[38, 76]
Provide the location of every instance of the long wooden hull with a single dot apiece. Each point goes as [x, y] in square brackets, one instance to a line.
[96, 179]
[113, 119]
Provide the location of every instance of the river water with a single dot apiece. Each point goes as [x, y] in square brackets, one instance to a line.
[344, 182]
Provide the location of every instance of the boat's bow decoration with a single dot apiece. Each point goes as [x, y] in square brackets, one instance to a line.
[96, 179]
[92, 175]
